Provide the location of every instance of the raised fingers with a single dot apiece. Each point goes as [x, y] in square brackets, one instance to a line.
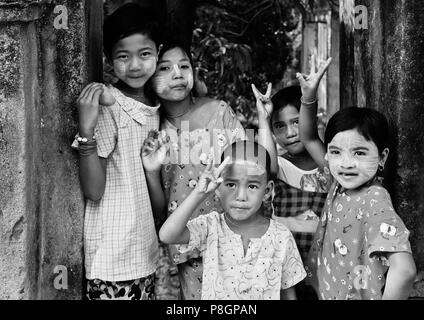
[222, 166]
[324, 67]
[268, 90]
[255, 91]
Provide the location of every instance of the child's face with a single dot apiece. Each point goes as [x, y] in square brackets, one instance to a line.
[352, 159]
[134, 60]
[173, 79]
[243, 189]
[285, 127]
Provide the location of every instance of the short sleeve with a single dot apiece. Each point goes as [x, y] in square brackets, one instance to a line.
[106, 132]
[386, 231]
[198, 228]
[231, 122]
[281, 174]
[292, 269]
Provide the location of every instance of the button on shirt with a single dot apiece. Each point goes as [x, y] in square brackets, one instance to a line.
[120, 240]
[271, 263]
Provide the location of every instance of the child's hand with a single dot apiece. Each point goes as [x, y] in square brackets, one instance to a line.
[210, 179]
[88, 108]
[309, 83]
[263, 102]
[199, 84]
[106, 98]
[154, 150]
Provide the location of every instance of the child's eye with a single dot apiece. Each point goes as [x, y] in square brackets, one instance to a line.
[146, 54]
[164, 68]
[335, 152]
[253, 187]
[296, 122]
[230, 185]
[122, 57]
[359, 153]
[185, 67]
[279, 126]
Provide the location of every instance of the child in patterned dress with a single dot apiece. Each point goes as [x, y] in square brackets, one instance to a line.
[361, 248]
[120, 240]
[245, 254]
[194, 125]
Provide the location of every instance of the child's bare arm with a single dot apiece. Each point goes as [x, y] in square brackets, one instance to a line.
[400, 277]
[264, 106]
[288, 294]
[308, 129]
[175, 230]
[92, 168]
[153, 154]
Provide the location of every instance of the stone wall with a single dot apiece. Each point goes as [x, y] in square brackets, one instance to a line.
[42, 71]
[388, 64]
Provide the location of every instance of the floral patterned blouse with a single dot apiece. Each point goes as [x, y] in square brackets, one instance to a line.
[271, 263]
[348, 258]
[188, 158]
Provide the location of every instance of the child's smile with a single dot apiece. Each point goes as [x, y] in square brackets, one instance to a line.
[173, 79]
[134, 60]
[352, 159]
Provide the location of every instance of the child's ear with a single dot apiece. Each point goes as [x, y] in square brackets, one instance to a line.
[269, 190]
[383, 157]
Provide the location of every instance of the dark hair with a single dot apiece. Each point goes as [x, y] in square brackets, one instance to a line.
[127, 20]
[250, 151]
[284, 97]
[370, 123]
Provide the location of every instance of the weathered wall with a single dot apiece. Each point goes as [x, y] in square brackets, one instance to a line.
[388, 65]
[42, 71]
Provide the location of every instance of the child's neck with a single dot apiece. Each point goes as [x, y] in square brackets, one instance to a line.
[176, 109]
[134, 93]
[301, 160]
[245, 226]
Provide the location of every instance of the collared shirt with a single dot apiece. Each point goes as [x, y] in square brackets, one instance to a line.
[120, 240]
[271, 263]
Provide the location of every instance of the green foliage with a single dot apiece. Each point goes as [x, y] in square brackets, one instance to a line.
[247, 42]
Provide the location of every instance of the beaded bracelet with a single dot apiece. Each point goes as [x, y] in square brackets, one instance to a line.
[84, 140]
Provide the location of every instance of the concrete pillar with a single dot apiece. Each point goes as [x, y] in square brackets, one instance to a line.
[43, 68]
[389, 59]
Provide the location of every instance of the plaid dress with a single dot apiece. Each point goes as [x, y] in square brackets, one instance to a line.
[290, 202]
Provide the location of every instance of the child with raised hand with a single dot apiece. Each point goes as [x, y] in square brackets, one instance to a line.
[246, 256]
[299, 193]
[195, 125]
[120, 241]
[361, 248]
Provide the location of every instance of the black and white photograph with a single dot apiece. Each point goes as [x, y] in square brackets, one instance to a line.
[186, 150]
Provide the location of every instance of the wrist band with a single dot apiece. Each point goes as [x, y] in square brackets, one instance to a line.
[308, 103]
[88, 148]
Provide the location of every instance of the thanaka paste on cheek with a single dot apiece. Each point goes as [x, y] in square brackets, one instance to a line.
[119, 68]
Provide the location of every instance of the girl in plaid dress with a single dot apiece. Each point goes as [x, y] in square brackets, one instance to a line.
[361, 248]
[120, 241]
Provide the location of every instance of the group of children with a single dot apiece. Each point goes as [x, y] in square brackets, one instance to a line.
[154, 154]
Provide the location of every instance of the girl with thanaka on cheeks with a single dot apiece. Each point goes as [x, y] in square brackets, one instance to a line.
[361, 248]
[197, 127]
[120, 241]
[245, 255]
